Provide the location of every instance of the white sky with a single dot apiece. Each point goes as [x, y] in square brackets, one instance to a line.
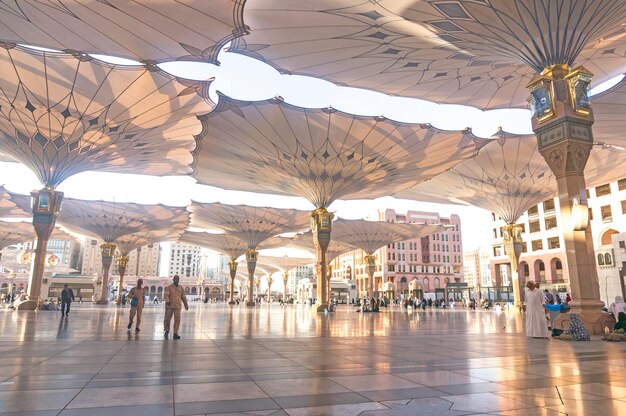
[244, 78]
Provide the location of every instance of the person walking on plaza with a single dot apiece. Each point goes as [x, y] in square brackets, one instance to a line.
[67, 296]
[174, 296]
[536, 323]
[136, 296]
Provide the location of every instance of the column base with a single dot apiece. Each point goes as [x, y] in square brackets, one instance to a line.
[102, 302]
[232, 302]
[320, 308]
[250, 303]
[595, 322]
[27, 305]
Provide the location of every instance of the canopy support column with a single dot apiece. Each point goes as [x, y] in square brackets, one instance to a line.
[46, 206]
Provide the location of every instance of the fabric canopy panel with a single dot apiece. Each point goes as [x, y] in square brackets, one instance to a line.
[369, 236]
[509, 176]
[252, 225]
[140, 29]
[609, 109]
[285, 263]
[335, 248]
[61, 114]
[479, 53]
[320, 154]
[110, 221]
[12, 209]
[162, 232]
[227, 244]
[22, 232]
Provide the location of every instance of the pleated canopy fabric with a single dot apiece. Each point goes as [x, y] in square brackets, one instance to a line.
[144, 30]
[475, 52]
[227, 244]
[285, 263]
[127, 223]
[369, 236]
[335, 248]
[509, 176]
[12, 209]
[609, 108]
[22, 232]
[252, 225]
[320, 154]
[62, 114]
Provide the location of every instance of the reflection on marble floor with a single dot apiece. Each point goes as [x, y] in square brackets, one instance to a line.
[274, 360]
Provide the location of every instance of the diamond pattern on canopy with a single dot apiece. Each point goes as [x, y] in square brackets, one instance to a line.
[369, 236]
[320, 154]
[509, 176]
[252, 225]
[21, 232]
[11, 209]
[138, 29]
[60, 115]
[227, 244]
[110, 221]
[474, 52]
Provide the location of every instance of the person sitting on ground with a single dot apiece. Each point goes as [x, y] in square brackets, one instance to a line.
[620, 325]
[618, 306]
[576, 330]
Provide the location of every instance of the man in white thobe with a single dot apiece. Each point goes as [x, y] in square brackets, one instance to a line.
[536, 323]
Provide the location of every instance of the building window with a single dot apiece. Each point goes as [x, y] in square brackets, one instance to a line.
[534, 227]
[624, 207]
[603, 190]
[606, 213]
[600, 259]
[548, 205]
[554, 243]
[607, 259]
[497, 251]
[550, 223]
[534, 210]
[622, 244]
[590, 214]
[621, 184]
[537, 245]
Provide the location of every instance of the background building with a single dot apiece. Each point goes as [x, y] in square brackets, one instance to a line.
[424, 266]
[543, 256]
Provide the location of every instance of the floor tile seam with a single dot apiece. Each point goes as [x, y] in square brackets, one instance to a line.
[29, 367]
[595, 394]
[90, 380]
[424, 385]
[477, 377]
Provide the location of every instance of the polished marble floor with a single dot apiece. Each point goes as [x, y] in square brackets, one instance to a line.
[274, 360]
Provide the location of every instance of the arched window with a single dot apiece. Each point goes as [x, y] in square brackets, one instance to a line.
[607, 259]
[600, 259]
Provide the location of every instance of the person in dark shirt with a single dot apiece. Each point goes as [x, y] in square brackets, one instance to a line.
[67, 296]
